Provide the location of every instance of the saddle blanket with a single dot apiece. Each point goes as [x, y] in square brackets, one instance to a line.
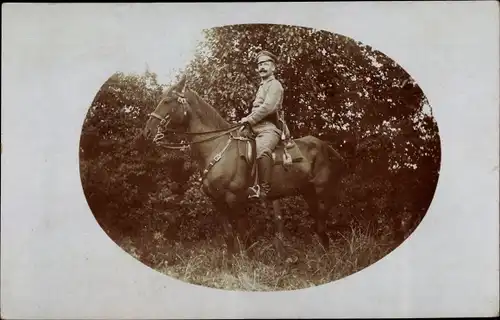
[282, 155]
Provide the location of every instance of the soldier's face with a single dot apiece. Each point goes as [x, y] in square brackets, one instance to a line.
[265, 68]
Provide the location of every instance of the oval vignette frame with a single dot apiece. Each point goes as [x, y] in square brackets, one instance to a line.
[335, 88]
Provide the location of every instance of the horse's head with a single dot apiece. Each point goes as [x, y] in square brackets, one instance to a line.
[172, 110]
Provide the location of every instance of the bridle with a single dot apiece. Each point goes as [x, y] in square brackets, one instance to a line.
[182, 146]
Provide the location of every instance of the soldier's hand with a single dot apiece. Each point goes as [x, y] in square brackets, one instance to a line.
[245, 132]
[243, 120]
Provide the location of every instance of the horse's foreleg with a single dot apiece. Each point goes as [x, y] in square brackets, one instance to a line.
[223, 217]
[241, 222]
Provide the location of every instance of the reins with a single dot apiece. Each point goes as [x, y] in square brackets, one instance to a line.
[182, 146]
[194, 133]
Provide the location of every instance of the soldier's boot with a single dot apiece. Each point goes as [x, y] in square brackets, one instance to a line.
[262, 190]
[265, 165]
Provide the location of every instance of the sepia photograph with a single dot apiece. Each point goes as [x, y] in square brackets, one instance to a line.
[277, 158]
[250, 160]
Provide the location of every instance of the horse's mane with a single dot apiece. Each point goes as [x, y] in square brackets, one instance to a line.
[206, 113]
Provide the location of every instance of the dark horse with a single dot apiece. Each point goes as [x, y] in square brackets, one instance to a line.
[228, 160]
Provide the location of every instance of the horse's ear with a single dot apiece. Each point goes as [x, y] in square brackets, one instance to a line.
[179, 87]
[182, 84]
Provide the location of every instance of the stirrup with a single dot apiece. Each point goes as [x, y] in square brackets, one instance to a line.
[256, 190]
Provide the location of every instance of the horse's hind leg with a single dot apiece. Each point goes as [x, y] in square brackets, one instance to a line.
[321, 219]
[318, 209]
[312, 203]
[279, 233]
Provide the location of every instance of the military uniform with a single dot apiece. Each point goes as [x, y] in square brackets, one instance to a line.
[264, 116]
[264, 120]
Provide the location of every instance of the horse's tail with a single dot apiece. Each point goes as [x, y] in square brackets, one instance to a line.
[337, 161]
[328, 165]
[333, 153]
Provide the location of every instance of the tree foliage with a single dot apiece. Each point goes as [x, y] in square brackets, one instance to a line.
[336, 88]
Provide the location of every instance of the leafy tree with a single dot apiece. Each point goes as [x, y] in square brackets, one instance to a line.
[336, 88]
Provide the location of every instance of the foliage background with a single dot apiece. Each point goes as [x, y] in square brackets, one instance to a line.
[149, 201]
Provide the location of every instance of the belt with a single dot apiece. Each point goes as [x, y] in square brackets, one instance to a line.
[273, 118]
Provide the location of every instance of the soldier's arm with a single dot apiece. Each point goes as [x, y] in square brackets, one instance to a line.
[258, 98]
[274, 94]
[256, 101]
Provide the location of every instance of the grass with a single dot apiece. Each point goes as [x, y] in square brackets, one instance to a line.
[259, 268]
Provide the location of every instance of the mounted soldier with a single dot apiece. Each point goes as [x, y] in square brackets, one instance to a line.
[266, 122]
[226, 170]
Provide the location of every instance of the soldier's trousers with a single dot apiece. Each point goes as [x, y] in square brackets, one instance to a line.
[268, 136]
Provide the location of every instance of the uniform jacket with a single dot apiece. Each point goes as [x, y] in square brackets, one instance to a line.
[268, 101]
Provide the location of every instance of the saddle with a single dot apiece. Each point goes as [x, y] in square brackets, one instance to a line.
[285, 153]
